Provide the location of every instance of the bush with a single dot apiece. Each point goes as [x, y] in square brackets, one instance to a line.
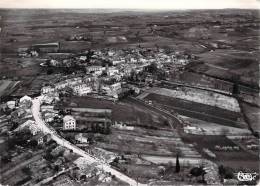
[225, 172]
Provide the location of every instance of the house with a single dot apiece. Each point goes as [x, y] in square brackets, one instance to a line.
[111, 53]
[49, 116]
[112, 71]
[133, 60]
[61, 85]
[47, 100]
[122, 126]
[97, 70]
[81, 139]
[74, 81]
[116, 62]
[39, 138]
[25, 101]
[47, 89]
[82, 89]
[69, 123]
[34, 129]
[49, 108]
[11, 104]
[54, 62]
[83, 58]
[116, 87]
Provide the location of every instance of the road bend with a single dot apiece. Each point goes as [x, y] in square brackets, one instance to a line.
[36, 103]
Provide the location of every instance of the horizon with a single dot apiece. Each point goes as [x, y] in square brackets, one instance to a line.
[162, 5]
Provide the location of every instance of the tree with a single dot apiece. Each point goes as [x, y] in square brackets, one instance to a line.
[235, 90]
[177, 166]
[166, 122]
[27, 170]
[198, 171]
[6, 158]
[225, 172]
[152, 68]
[56, 168]
[48, 62]
[50, 71]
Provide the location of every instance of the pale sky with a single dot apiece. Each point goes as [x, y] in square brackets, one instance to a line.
[132, 4]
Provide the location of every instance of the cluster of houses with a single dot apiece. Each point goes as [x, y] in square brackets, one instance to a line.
[82, 86]
[21, 115]
[86, 171]
[115, 64]
[79, 119]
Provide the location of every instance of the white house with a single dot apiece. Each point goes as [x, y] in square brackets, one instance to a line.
[47, 89]
[61, 85]
[112, 71]
[81, 139]
[116, 62]
[95, 68]
[74, 81]
[116, 86]
[69, 123]
[49, 116]
[10, 104]
[25, 99]
[82, 89]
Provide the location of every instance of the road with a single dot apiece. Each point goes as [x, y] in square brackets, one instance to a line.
[36, 103]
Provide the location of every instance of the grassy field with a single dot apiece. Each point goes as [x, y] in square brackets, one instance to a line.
[228, 64]
[197, 110]
[140, 143]
[7, 86]
[234, 159]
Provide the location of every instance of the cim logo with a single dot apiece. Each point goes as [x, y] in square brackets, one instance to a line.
[242, 176]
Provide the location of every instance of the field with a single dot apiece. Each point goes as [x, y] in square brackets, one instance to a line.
[235, 159]
[7, 86]
[197, 110]
[210, 128]
[229, 64]
[139, 144]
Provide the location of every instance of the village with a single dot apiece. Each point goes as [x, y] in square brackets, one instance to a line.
[99, 106]
[113, 76]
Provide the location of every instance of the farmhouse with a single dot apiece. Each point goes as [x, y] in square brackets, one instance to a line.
[82, 89]
[69, 123]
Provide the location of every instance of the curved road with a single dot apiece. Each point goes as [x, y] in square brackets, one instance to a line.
[36, 103]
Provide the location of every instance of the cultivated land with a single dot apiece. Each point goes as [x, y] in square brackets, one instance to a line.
[211, 119]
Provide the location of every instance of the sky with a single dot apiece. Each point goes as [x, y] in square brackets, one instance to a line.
[133, 4]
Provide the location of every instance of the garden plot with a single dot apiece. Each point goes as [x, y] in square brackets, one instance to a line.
[200, 96]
